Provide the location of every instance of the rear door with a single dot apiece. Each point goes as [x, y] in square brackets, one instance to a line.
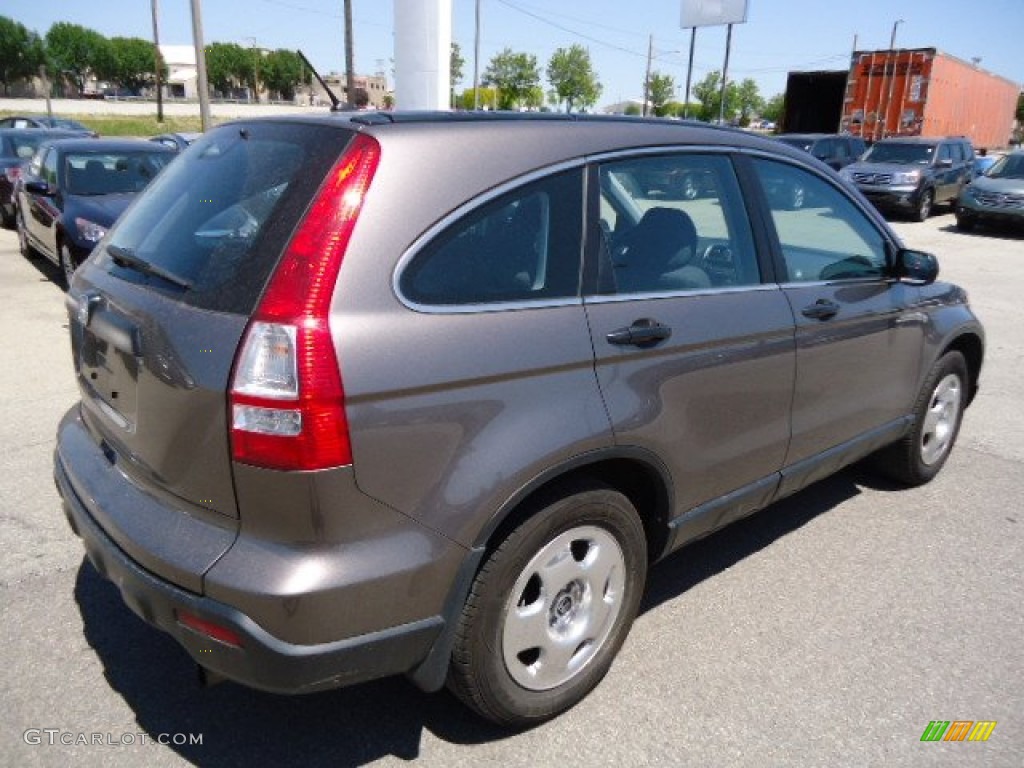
[157, 311]
[858, 336]
[693, 342]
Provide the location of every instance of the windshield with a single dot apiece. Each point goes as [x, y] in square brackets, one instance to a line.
[902, 154]
[1008, 167]
[110, 173]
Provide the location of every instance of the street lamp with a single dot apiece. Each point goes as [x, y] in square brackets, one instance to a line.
[647, 77]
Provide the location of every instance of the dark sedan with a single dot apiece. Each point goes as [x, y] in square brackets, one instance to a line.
[17, 145]
[74, 189]
[61, 123]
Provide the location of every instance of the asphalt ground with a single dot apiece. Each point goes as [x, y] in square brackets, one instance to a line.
[828, 630]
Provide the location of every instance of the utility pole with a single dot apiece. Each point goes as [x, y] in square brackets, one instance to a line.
[725, 74]
[892, 77]
[255, 69]
[846, 88]
[350, 73]
[202, 85]
[689, 73]
[476, 61]
[159, 63]
[647, 77]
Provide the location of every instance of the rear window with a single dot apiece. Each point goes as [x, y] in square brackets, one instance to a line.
[112, 173]
[213, 225]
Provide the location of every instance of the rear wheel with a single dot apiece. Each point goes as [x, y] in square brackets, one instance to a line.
[550, 608]
[939, 410]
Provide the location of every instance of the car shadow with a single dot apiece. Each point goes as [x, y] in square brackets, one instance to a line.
[989, 231]
[354, 726]
[48, 271]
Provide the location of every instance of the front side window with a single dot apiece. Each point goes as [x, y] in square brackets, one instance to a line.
[522, 246]
[828, 237]
[673, 223]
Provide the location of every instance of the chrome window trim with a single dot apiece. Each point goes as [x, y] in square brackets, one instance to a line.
[614, 298]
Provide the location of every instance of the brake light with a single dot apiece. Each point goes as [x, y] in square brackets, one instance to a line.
[287, 401]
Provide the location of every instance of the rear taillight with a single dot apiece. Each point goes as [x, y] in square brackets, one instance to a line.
[287, 401]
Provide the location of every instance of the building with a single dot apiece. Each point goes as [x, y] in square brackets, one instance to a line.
[375, 87]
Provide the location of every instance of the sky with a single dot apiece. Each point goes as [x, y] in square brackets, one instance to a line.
[779, 36]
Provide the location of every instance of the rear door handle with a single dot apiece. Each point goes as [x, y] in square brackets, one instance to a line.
[822, 309]
[642, 333]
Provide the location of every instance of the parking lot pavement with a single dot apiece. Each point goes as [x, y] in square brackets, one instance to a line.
[828, 630]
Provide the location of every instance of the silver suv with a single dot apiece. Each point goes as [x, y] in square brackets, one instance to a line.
[428, 394]
[913, 175]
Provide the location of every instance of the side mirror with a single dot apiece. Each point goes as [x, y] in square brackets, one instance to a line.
[38, 187]
[916, 267]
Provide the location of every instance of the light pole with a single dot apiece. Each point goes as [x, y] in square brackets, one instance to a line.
[892, 77]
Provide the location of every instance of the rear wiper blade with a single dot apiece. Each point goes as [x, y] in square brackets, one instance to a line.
[124, 257]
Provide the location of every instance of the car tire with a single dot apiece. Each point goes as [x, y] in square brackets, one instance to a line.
[964, 224]
[23, 243]
[67, 266]
[924, 206]
[688, 188]
[550, 607]
[938, 412]
[797, 197]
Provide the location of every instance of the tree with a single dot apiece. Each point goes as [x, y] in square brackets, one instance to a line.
[1020, 108]
[661, 89]
[282, 71]
[456, 64]
[749, 101]
[79, 52]
[572, 76]
[773, 108]
[133, 62]
[488, 98]
[21, 52]
[514, 75]
[228, 66]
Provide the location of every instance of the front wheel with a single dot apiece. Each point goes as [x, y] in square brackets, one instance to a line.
[924, 206]
[938, 412]
[550, 608]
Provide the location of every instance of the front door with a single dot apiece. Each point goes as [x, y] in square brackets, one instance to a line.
[694, 350]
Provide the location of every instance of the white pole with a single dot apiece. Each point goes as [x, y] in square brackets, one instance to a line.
[423, 40]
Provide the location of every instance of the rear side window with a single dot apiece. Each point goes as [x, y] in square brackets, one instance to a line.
[522, 246]
[218, 218]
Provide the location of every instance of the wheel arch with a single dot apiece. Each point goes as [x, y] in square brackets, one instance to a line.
[971, 346]
[634, 472]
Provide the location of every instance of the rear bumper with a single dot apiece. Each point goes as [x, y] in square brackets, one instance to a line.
[307, 617]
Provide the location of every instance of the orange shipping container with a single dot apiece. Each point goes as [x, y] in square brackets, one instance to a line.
[925, 92]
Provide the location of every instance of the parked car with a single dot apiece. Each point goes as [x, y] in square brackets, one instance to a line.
[17, 146]
[983, 162]
[912, 175]
[834, 150]
[74, 189]
[176, 141]
[995, 197]
[62, 123]
[335, 425]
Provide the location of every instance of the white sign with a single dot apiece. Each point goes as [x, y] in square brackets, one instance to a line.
[711, 13]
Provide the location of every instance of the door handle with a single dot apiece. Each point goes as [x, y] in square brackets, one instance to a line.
[642, 333]
[822, 309]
